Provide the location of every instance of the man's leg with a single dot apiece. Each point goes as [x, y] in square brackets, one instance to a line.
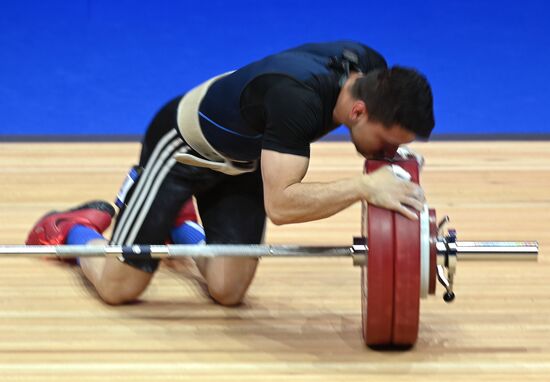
[228, 278]
[115, 282]
[232, 213]
[151, 207]
[148, 210]
[82, 225]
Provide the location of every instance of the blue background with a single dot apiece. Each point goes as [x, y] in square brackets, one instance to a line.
[104, 67]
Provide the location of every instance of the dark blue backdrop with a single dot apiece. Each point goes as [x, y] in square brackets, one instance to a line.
[104, 67]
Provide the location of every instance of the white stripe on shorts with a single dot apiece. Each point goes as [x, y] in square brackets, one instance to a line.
[155, 164]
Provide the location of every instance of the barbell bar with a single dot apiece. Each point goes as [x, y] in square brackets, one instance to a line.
[468, 250]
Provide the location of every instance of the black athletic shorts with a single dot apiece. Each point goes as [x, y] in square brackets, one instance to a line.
[231, 208]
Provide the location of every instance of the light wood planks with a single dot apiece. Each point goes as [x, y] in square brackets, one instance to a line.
[301, 319]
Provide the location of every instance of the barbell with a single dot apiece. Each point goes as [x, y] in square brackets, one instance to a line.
[400, 261]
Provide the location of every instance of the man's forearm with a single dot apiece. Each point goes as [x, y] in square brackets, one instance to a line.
[302, 202]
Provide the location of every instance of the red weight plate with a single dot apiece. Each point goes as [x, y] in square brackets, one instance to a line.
[364, 270]
[377, 299]
[364, 305]
[364, 273]
[406, 310]
[380, 283]
[433, 251]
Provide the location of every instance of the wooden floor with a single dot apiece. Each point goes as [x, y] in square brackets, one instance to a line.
[302, 318]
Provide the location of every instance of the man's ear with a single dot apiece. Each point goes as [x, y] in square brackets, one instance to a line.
[358, 110]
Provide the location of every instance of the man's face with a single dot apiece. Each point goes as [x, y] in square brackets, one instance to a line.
[373, 140]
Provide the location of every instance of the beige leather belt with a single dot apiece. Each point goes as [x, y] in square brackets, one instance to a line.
[189, 127]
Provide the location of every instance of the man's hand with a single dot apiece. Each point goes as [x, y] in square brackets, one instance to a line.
[384, 189]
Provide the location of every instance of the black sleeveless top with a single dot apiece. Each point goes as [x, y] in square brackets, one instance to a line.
[282, 102]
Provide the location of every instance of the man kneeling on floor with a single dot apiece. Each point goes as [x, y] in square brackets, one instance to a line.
[240, 144]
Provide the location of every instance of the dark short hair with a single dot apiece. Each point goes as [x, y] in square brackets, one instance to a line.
[397, 95]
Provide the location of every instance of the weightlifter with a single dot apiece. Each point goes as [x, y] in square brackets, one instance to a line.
[240, 144]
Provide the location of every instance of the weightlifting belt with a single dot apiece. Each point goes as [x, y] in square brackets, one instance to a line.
[189, 127]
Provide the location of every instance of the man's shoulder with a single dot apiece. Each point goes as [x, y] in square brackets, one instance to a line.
[293, 94]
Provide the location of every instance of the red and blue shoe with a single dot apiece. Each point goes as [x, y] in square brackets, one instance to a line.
[186, 213]
[53, 228]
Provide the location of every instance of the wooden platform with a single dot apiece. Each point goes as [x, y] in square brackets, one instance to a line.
[302, 318]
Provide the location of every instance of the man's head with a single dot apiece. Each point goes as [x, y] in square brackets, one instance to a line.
[389, 107]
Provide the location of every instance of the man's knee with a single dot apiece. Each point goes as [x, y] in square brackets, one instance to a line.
[122, 284]
[226, 295]
[229, 279]
[116, 293]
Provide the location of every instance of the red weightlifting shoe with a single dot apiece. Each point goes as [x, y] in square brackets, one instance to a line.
[53, 228]
[186, 213]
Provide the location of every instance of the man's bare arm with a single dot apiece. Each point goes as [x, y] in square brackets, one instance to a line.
[289, 200]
